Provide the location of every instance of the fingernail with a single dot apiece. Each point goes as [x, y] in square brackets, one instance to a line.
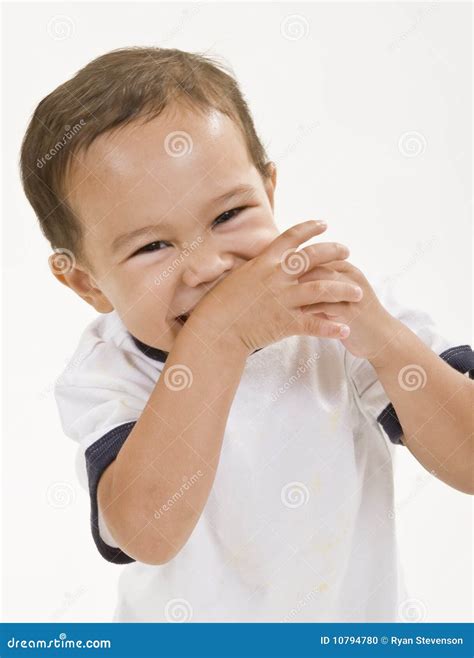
[321, 223]
[344, 331]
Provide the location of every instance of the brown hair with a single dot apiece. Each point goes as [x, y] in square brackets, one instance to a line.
[113, 90]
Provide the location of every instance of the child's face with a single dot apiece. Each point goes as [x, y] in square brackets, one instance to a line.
[145, 176]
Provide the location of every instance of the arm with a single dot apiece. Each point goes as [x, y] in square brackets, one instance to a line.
[176, 442]
[179, 433]
[433, 402]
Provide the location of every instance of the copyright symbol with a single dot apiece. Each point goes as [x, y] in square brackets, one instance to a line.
[384, 640]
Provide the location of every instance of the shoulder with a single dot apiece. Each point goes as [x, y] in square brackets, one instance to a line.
[106, 349]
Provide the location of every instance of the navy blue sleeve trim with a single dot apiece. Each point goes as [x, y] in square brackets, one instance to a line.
[461, 358]
[98, 456]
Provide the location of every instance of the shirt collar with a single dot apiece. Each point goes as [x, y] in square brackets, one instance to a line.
[152, 352]
[156, 353]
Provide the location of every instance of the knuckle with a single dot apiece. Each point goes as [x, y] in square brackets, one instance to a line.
[320, 326]
[308, 323]
[319, 289]
[340, 290]
[331, 329]
[355, 272]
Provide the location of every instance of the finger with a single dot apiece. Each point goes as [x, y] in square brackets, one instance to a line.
[340, 265]
[335, 270]
[294, 236]
[324, 253]
[315, 326]
[316, 292]
[338, 309]
[299, 262]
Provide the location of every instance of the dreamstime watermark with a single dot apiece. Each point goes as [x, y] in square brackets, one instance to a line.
[60, 642]
[60, 495]
[294, 262]
[186, 15]
[422, 14]
[294, 494]
[421, 250]
[68, 601]
[178, 143]
[62, 261]
[68, 135]
[178, 377]
[302, 603]
[178, 610]
[412, 610]
[302, 368]
[294, 27]
[189, 482]
[303, 133]
[412, 377]
[71, 364]
[187, 249]
[411, 144]
[61, 27]
[422, 482]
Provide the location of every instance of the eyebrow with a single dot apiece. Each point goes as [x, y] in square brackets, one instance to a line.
[122, 241]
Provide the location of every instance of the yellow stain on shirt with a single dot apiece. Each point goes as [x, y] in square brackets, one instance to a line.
[315, 484]
[334, 419]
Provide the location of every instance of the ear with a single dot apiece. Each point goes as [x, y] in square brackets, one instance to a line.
[65, 269]
[270, 182]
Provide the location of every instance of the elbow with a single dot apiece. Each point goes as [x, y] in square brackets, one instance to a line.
[132, 525]
[137, 530]
[465, 467]
[461, 475]
[467, 488]
[145, 547]
[140, 539]
[151, 555]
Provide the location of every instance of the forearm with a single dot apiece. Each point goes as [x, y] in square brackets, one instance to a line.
[433, 402]
[176, 442]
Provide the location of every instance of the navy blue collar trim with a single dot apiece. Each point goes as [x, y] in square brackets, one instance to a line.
[156, 353]
[152, 352]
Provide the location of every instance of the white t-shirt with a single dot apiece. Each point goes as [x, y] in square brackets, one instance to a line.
[299, 524]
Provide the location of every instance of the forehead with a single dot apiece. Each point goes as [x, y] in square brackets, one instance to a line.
[178, 160]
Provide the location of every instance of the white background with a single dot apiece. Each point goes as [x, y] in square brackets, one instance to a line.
[331, 106]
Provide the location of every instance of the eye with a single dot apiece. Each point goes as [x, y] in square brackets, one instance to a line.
[225, 217]
[236, 211]
[149, 247]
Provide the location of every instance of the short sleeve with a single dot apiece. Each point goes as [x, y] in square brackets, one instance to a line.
[371, 396]
[99, 401]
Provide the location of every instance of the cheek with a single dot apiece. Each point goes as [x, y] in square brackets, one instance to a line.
[143, 287]
[257, 239]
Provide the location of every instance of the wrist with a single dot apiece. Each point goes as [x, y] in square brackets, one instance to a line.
[216, 334]
[390, 338]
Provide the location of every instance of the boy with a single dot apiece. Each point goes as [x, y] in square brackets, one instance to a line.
[235, 442]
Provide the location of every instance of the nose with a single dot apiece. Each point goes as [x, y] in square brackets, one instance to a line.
[205, 263]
